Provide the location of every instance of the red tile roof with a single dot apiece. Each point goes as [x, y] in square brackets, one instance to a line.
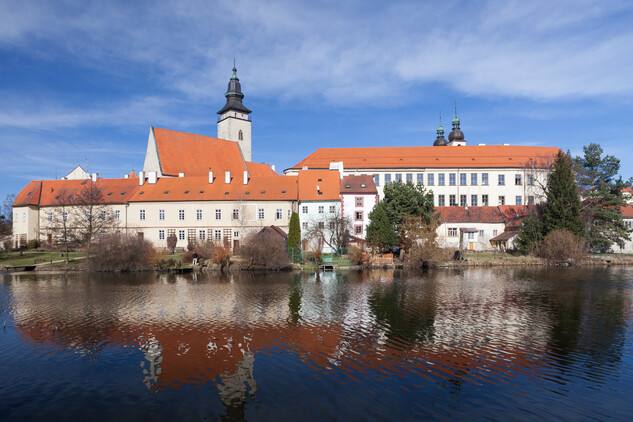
[49, 192]
[507, 214]
[260, 169]
[627, 212]
[262, 188]
[319, 185]
[196, 155]
[363, 184]
[430, 157]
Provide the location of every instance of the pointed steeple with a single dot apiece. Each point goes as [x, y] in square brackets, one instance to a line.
[440, 141]
[234, 95]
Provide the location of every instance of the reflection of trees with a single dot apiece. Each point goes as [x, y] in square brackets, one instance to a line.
[295, 293]
[235, 387]
[587, 317]
[405, 307]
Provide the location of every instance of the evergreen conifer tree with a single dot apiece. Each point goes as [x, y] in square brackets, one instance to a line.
[380, 232]
[294, 231]
[562, 207]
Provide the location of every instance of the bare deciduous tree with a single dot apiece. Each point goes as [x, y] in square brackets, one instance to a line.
[332, 229]
[92, 215]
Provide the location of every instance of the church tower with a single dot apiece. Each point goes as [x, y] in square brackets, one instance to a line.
[234, 124]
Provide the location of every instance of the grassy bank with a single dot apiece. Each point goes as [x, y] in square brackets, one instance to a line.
[35, 258]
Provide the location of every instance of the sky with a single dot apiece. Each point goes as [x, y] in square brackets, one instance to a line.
[82, 81]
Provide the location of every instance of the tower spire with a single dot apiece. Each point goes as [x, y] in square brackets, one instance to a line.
[234, 95]
[440, 141]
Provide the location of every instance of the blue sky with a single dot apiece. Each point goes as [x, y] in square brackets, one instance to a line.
[82, 81]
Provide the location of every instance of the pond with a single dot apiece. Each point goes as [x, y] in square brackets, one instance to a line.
[493, 344]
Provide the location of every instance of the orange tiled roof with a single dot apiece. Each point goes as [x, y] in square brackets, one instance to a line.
[507, 214]
[429, 157]
[196, 155]
[259, 169]
[327, 181]
[262, 188]
[627, 212]
[50, 192]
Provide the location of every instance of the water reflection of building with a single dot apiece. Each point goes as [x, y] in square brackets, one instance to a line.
[444, 325]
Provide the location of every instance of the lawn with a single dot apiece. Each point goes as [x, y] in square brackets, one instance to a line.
[31, 257]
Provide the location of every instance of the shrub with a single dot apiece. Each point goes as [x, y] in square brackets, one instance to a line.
[117, 252]
[172, 241]
[205, 250]
[265, 250]
[424, 255]
[562, 246]
[356, 255]
[222, 257]
[33, 244]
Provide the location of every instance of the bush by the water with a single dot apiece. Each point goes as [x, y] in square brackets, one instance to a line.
[266, 250]
[562, 246]
[205, 250]
[118, 252]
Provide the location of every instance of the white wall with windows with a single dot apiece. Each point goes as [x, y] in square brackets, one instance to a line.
[356, 207]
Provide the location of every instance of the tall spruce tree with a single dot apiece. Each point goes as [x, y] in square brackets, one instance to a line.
[380, 232]
[294, 231]
[562, 207]
[597, 177]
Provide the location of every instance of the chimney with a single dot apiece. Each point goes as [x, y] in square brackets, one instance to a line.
[272, 167]
[210, 177]
[127, 176]
[141, 178]
[304, 168]
[94, 176]
[181, 174]
[151, 177]
[227, 177]
[245, 177]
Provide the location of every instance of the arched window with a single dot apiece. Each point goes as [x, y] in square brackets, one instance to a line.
[240, 136]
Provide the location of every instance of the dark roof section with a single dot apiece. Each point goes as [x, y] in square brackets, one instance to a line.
[510, 215]
[275, 231]
[234, 96]
[362, 184]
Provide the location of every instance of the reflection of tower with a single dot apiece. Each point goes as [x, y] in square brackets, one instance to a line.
[155, 358]
[234, 387]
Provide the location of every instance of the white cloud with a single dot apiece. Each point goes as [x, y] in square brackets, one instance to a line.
[341, 52]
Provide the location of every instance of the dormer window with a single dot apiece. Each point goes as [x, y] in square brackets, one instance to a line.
[186, 192]
[348, 187]
[166, 192]
[363, 185]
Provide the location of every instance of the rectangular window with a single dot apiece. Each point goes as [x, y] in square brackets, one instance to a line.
[441, 201]
[452, 232]
[484, 200]
[49, 217]
[321, 209]
[161, 235]
[102, 215]
[217, 234]
[236, 234]
[358, 216]
[452, 200]
[24, 217]
[377, 179]
[65, 217]
[462, 200]
[198, 214]
[502, 200]
[359, 201]
[494, 232]
[358, 229]
[530, 200]
[321, 224]
[304, 209]
[473, 200]
[484, 179]
[471, 236]
[517, 179]
[502, 180]
[440, 179]
[260, 213]
[202, 234]
[451, 179]
[420, 179]
[161, 214]
[332, 209]
[181, 214]
[288, 213]
[518, 200]
[236, 214]
[141, 215]
[304, 225]
[399, 177]
[409, 177]
[530, 180]
[181, 235]
[481, 233]
[279, 214]
[218, 214]
[332, 225]
[387, 179]
[430, 179]
[473, 179]
[462, 179]
[117, 215]
[88, 215]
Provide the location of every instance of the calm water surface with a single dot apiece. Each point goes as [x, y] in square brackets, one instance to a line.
[500, 344]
